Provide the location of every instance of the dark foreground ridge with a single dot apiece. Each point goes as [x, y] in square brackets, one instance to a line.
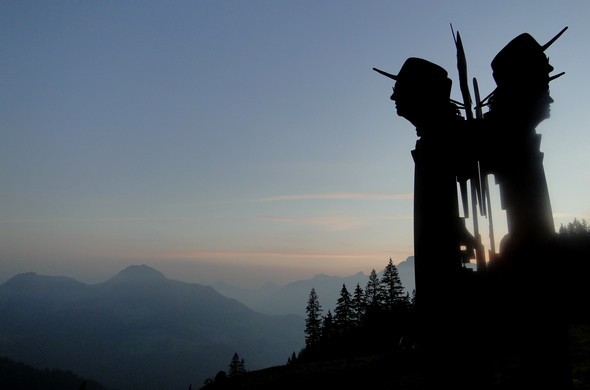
[370, 372]
[400, 372]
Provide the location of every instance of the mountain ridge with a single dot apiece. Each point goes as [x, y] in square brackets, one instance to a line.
[292, 297]
[138, 329]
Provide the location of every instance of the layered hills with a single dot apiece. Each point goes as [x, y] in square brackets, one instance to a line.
[138, 329]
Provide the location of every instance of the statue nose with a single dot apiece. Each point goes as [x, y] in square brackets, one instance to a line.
[392, 97]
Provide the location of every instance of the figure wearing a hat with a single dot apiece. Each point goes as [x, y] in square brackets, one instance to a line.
[422, 96]
[519, 103]
[521, 72]
[528, 310]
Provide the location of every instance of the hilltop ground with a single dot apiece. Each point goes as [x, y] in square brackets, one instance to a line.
[379, 372]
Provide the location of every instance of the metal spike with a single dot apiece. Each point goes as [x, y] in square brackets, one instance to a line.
[484, 100]
[391, 76]
[545, 46]
[461, 105]
[556, 76]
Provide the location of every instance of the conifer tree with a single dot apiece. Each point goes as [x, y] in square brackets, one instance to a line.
[313, 322]
[393, 291]
[412, 303]
[576, 229]
[407, 302]
[292, 359]
[373, 291]
[342, 311]
[358, 306]
[327, 326]
[236, 366]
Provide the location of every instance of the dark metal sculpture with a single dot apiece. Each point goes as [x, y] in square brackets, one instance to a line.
[518, 104]
[503, 297]
[438, 228]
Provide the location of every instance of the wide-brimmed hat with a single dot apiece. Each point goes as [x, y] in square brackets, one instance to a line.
[523, 62]
[417, 70]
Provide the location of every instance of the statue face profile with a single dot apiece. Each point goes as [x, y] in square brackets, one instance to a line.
[521, 71]
[541, 107]
[408, 102]
[420, 86]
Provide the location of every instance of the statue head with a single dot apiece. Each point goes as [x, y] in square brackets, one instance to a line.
[521, 71]
[421, 88]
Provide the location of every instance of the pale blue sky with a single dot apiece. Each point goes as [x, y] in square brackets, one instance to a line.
[244, 140]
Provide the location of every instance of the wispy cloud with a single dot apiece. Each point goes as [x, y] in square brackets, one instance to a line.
[259, 254]
[334, 222]
[104, 219]
[339, 196]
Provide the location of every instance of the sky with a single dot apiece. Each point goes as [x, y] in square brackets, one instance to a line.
[245, 141]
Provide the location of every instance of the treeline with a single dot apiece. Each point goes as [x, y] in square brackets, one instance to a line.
[375, 319]
[380, 318]
[574, 256]
[237, 366]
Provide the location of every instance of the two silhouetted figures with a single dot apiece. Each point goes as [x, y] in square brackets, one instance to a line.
[500, 326]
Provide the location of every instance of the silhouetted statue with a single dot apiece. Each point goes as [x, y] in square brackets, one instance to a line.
[518, 104]
[514, 299]
[422, 96]
[527, 316]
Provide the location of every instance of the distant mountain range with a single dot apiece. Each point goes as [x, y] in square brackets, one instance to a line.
[138, 330]
[292, 298]
[141, 330]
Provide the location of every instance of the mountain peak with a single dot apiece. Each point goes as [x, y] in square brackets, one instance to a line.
[33, 280]
[135, 273]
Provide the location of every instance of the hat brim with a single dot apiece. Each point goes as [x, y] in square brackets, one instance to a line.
[391, 76]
